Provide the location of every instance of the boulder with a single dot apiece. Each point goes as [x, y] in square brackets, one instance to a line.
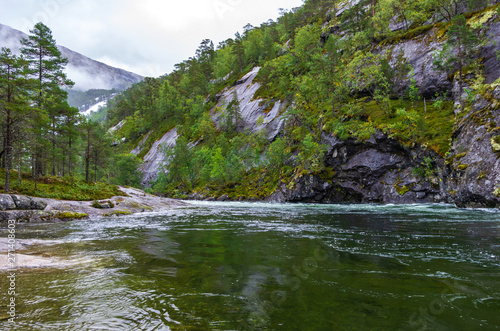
[38, 204]
[6, 202]
[22, 202]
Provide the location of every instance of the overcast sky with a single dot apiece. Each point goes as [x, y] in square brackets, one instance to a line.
[144, 36]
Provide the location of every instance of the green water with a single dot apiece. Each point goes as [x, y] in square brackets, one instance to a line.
[242, 266]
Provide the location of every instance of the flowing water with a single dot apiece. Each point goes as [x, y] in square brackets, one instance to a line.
[244, 266]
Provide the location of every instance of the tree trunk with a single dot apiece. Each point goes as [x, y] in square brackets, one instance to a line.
[460, 82]
[87, 157]
[333, 90]
[69, 156]
[8, 151]
[95, 165]
[53, 146]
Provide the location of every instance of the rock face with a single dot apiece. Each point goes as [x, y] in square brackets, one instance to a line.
[418, 52]
[379, 170]
[153, 161]
[256, 115]
[473, 167]
[251, 110]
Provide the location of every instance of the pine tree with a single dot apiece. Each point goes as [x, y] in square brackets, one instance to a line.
[46, 66]
[457, 50]
[13, 102]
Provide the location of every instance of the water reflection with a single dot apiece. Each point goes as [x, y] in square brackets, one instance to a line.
[234, 266]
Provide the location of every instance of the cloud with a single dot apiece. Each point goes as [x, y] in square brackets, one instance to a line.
[148, 36]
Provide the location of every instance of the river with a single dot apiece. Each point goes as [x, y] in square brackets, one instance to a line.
[250, 266]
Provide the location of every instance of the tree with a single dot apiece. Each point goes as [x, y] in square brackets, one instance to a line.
[232, 120]
[13, 102]
[46, 63]
[457, 51]
[45, 66]
[128, 173]
[334, 72]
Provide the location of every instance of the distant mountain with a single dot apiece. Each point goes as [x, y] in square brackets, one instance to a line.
[85, 72]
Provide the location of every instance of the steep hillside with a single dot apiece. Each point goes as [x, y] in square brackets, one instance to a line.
[86, 73]
[334, 102]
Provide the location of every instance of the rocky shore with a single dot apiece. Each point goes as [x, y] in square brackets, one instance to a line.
[27, 209]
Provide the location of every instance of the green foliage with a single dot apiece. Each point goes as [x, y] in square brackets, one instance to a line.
[311, 155]
[427, 168]
[127, 167]
[65, 188]
[495, 144]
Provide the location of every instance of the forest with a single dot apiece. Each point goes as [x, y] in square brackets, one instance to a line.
[49, 149]
[322, 60]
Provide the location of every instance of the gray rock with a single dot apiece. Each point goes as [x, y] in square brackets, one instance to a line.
[255, 114]
[22, 202]
[378, 170]
[155, 158]
[6, 202]
[103, 204]
[419, 53]
[38, 204]
[491, 62]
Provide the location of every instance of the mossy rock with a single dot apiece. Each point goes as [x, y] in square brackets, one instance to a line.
[404, 189]
[495, 144]
[69, 215]
[118, 213]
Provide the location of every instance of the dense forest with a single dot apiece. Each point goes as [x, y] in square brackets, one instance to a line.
[323, 61]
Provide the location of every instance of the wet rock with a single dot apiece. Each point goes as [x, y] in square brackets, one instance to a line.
[197, 196]
[6, 202]
[223, 198]
[472, 173]
[107, 204]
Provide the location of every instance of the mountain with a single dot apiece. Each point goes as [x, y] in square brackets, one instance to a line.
[329, 105]
[85, 72]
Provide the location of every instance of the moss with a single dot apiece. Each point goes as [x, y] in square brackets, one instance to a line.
[497, 192]
[479, 18]
[404, 189]
[461, 155]
[65, 215]
[462, 167]
[481, 176]
[398, 37]
[495, 144]
[117, 213]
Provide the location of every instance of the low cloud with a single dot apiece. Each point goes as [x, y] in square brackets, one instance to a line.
[146, 37]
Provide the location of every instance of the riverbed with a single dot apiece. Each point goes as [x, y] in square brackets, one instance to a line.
[237, 266]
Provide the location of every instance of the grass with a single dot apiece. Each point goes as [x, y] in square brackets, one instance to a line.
[62, 188]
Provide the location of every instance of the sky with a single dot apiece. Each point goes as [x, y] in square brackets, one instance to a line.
[147, 37]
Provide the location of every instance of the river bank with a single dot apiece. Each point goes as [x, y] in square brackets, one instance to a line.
[27, 209]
